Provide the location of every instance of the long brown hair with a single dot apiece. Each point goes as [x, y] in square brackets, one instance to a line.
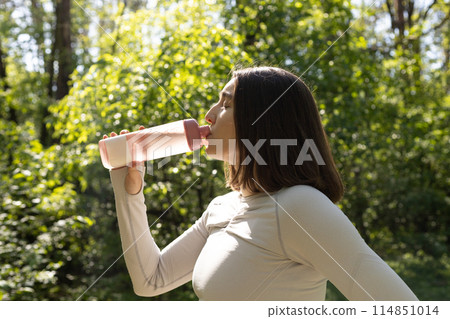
[294, 115]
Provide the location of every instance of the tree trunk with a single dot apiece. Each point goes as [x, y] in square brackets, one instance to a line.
[50, 69]
[63, 46]
[45, 134]
[37, 15]
[12, 115]
[410, 13]
[61, 52]
[3, 68]
[399, 20]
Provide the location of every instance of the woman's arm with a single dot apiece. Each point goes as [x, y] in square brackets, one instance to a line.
[316, 232]
[152, 271]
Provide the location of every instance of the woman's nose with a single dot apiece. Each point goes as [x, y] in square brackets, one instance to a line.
[209, 117]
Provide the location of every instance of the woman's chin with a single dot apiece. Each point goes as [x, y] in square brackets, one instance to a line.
[212, 154]
[211, 150]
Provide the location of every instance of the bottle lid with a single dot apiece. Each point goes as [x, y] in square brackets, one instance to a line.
[205, 130]
[195, 133]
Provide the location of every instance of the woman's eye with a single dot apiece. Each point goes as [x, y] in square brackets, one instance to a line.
[225, 106]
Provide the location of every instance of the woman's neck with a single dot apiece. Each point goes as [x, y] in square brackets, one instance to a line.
[245, 192]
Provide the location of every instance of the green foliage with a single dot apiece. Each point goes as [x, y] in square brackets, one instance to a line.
[385, 109]
[41, 230]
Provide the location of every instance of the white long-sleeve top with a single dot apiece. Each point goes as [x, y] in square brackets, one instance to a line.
[283, 246]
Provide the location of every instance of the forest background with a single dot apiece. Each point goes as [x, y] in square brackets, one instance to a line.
[72, 70]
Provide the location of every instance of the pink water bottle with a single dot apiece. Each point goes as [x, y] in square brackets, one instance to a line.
[152, 143]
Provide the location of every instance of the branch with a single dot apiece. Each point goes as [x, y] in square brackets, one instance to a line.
[446, 18]
[391, 14]
[428, 9]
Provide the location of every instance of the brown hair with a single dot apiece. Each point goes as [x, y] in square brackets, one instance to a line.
[294, 115]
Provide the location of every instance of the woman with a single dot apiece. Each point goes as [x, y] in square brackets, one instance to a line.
[278, 234]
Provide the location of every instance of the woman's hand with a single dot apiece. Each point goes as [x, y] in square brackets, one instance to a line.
[133, 180]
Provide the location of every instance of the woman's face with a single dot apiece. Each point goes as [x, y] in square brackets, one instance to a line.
[221, 118]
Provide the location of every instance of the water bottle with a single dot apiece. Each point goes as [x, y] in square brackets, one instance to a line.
[153, 143]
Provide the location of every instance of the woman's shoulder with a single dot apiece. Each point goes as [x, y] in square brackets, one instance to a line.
[306, 200]
[301, 192]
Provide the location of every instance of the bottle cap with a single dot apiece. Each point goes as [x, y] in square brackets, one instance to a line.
[205, 130]
[194, 133]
